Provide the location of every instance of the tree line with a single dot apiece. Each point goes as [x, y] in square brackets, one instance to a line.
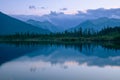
[107, 33]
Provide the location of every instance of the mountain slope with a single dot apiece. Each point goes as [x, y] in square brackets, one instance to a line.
[97, 24]
[9, 25]
[43, 25]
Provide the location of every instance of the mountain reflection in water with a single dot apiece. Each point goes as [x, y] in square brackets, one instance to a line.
[64, 61]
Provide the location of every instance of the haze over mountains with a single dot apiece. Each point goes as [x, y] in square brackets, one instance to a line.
[67, 21]
[57, 22]
[9, 25]
[97, 24]
[44, 25]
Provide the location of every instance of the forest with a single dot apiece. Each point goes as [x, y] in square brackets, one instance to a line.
[106, 34]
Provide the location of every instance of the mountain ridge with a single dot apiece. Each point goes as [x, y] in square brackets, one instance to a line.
[44, 25]
[97, 24]
[11, 25]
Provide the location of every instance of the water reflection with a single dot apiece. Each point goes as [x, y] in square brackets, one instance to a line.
[43, 61]
[82, 52]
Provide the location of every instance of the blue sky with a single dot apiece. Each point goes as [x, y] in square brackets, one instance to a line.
[41, 7]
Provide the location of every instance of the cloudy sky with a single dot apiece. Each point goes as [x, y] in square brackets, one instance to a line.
[41, 7]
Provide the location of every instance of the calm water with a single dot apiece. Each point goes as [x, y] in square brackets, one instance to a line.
[59, 62]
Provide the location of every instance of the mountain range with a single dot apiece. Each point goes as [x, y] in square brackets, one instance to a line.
[9, 25]
[97, 24]
[44, 25]
[67, 21]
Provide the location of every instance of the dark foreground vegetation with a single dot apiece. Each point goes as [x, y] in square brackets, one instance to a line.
[87, 35]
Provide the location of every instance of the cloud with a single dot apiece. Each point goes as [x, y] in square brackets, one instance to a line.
[32, 7]
[35, 7]
[42, 7]
[101, 12]
[54, 13]
[64, 9]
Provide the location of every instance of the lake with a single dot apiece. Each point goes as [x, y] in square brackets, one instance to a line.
[88, 61]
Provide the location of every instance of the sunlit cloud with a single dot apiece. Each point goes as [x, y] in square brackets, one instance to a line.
[72, 12]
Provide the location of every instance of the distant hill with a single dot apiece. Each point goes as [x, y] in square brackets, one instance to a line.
[97, 24]
[44, 25]
[9, 25]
